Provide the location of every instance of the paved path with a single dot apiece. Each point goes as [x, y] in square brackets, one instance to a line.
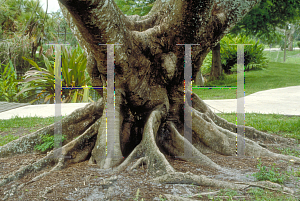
[275, 101]
[43, 110]
[277, 49]
[5, 106]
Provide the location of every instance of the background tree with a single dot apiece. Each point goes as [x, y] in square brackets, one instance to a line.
[22, 22]
[261, 22]
[149, 92]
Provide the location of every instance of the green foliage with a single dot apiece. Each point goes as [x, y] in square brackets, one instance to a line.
[271, 174]
[137, 195]
[13, 48]
[298, 44]
[161, 198]
[253, 54]
[130, 7]
[39, 78]
[48, 142]
[265, 16]
[288, 151]
[7, 138]
[8, 83]
[206, 65]
[74, 75]
[273, 123]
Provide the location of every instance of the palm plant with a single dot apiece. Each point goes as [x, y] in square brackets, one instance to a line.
[74, 75]
[39, 78]
[73, 72]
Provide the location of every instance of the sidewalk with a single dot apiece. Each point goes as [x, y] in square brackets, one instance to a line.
[277, 49]
[284, 101]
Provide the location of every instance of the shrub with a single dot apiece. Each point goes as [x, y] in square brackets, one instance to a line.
[8, 83]
[39, 78]
[298, 44]
[73, 72]
[253, 54]
[13, 48]
[74, 75]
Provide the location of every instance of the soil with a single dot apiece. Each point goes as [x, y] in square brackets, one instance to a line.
[83, 181]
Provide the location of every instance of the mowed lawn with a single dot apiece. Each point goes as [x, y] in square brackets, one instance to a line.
[276, 75]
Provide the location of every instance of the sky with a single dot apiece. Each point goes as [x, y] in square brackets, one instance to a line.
[52, 5]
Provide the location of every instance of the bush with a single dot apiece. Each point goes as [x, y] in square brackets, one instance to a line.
[298, 44]
[73, 72]
[13, 48]
[8, 83]
[253, 54]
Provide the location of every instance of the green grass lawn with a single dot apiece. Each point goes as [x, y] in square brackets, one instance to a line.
[276, 75]
[12, 129]
[286, 126]
[277, 56]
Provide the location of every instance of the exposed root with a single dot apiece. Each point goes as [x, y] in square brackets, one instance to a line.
[77, 150]
[176, 148]
[139, 163]
[208, 136]
[72, 126]
[211, 136]
[176, 198]
[156, 162]
[37, 166]
[250, 132]
[189, 178]
[199, 180]
[223, 140]
[269, 186]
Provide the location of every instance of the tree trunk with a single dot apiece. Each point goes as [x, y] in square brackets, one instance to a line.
[199, 80]
[216, 67]
[65, 35]
[285, 39]
[290, 48]
[290, 37]
[149, 92]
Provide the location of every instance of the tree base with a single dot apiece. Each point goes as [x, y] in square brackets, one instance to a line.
[213, 135]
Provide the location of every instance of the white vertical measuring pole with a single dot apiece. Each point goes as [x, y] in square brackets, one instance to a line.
[188, 99]
[58, 117]
[240, 95]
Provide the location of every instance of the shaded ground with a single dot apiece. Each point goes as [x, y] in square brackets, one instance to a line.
[87, 182]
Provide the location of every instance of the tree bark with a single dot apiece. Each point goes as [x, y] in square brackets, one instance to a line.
[285, 39]
[216, 67]
[290, 37]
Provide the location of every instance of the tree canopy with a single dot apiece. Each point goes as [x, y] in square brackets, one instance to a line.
[265, 16]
